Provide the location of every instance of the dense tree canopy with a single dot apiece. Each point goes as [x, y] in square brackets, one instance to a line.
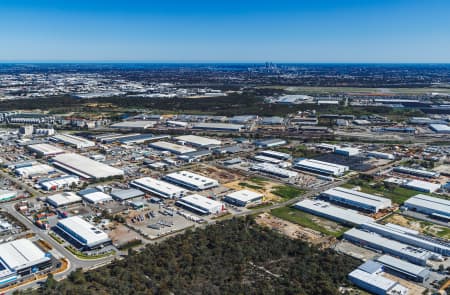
[231, 257]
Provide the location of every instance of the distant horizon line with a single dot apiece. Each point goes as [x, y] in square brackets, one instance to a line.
[214, 62]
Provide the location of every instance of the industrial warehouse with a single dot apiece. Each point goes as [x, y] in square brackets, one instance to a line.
[19, 258]
[75, 141]
[416, 172]
[122, 195]
[57, 183]
[404, 269]
[275, 154]
[33, 170]
[82, 234]
[422, 186]
[85, 167]
[63, 199]
[320, 167]
[45, 149]
[219, 127]
[171, 147]
[325, 209]
[436, 207]
[94, 196]
[243, 198]
[200, 204]
[191, 180]
[159, 187]
[274, 170]
[368, 277]
[356, 199]
[198, 141]
[408, 236]
[388, 246]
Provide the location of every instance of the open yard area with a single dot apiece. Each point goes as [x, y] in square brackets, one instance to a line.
[316, 223]
[272, 191]
[222, 175]
[421, 226]
[294, 230]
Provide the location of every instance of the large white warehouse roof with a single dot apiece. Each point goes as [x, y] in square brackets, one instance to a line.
[85, 167]
[134, 125]
[171, 147]
[76, 141]
[432, 204]
[327, 210]
[424, 186]
[357, 198]
[201, 204]
[199, 140]
[159, 187]
[63, 199]
[82, 231]
[321, 167]
[191, 180]
[45, 149]
[20, 254]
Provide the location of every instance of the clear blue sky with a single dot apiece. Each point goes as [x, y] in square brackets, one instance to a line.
[225, 30]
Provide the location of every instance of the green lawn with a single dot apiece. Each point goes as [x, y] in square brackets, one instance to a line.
[397, 194]
[306, 220]
[299, 151]
[245, 184]
[287, 192]
[258, 180]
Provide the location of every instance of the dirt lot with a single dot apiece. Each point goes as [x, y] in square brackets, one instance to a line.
[413, 288]
[423, 227]
[294, 231]
[222, 175]
[121, 234]
[264, 187]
